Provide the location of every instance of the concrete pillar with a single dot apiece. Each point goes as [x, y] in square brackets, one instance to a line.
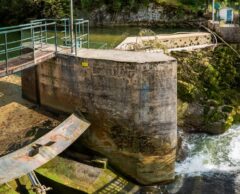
[131, 100]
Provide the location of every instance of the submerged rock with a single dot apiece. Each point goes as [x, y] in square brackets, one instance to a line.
[210, 183]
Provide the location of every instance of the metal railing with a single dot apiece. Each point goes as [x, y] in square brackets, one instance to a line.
[81, 35]
[81, 32]
[22, 41]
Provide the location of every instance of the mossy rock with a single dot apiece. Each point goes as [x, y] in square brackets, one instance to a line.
[237, 115]
[212, 102]
[186, 91]
[215, 128]
[219, 119]
[227, 108]
[181, 111]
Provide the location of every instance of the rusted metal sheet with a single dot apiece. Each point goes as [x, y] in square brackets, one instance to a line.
[31, 157]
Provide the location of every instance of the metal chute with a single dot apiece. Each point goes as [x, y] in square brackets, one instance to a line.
[31, 157]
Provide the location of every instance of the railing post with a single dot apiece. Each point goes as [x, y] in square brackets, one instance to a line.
[56, 43]
[41, 34]
[46, 34]
[88, 33]
[6, 52]
[21, 44]
[33, 43]
[76, 44]
[65, 31]
[69, 28]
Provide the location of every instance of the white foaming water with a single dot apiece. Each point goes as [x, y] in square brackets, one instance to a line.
[234, 153]
[211, 153]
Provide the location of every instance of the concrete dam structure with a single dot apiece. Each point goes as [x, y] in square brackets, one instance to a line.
[130, 98]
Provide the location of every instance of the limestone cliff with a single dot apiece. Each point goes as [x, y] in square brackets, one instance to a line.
[164, 15]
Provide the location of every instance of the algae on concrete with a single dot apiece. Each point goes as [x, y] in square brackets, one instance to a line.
[82, 177]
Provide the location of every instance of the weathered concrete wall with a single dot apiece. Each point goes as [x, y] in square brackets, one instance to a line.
[30, 84]
[131, 100]
[229, 32]
[168, 41]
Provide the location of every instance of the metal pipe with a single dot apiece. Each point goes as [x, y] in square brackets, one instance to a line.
[26, 28]
[21, 42]
[76, 41]
[213, 10]
[18, 26]
[56, 38]
[88, 34]
[71, 26]
[33, 43]
[46, 34]
[6, 52]
[41, 34]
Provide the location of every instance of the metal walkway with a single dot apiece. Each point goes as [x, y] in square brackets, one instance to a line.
[27, 45]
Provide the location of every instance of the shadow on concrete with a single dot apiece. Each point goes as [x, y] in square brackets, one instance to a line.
[21, 188]
[57, 188]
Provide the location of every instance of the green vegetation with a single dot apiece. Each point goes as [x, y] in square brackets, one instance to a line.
[21, 185]
[19, 11]
[210, 78]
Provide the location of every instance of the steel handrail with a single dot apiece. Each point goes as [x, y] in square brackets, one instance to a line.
[27, 28]
[18, 26]
[37, 36]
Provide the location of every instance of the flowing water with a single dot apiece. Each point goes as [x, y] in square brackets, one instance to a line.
[212, 164]
[207, 153]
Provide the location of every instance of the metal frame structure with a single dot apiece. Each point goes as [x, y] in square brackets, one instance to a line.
[24, 41]
[80, 32]
[42, 33]
[37, 187]
[30, 36]
[213, 10]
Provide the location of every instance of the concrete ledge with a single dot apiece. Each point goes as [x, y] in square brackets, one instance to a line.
[229, 32]
[170, 41]
[124, 56]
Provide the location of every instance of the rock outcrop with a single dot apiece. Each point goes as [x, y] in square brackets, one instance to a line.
[154, 14]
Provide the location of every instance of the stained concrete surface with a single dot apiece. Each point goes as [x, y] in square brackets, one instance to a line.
[130, 100]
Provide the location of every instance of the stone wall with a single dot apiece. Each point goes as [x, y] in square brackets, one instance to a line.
[229, 32]
[165, 15]
[167, 41]
[131, 100]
